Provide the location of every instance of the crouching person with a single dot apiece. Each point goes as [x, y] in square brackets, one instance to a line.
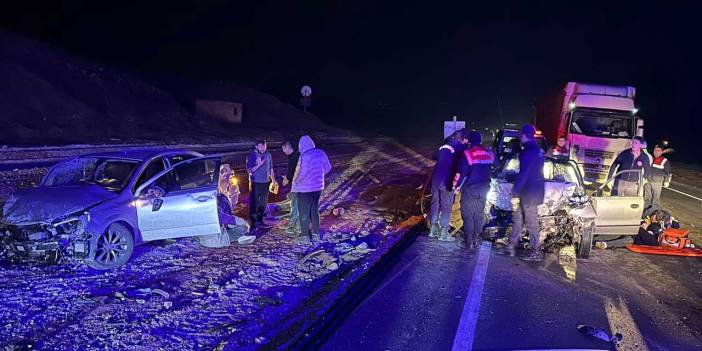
[474, 184]
[307, 184]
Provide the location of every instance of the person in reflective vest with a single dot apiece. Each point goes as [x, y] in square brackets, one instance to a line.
[661, 175]
[474, 184]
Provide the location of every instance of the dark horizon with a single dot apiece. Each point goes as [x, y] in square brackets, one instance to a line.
[396, 68]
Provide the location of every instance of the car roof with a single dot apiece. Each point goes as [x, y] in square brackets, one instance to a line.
[141, 154]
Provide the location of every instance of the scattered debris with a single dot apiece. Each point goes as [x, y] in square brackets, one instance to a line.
[599, 333]
[246, 239]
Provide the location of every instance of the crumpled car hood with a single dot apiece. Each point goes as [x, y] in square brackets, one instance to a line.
[46, 204]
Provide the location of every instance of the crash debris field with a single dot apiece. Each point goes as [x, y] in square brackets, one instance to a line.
[177, 294]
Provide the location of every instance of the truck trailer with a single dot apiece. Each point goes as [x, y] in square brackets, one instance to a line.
[598, 122]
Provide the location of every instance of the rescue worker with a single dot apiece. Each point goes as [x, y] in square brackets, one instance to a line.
[626, 184]
[527, 195]
[661, 175]
[560, 150]
[442, 195]
[474, 184]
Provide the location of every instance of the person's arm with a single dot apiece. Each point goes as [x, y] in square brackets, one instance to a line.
[297, 172]
[464, 169]
[327, 165]
[292, 165]
[668, 174]
[615, 165]
[271, 172]
[252, 164]
[526, 163]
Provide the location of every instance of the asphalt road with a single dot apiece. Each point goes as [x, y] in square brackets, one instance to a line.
[438, 297]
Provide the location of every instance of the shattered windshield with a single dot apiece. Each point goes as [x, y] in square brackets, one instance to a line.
[602, 123]
[562, 172]
[112, 174]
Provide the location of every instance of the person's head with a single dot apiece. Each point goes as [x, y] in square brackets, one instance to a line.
[474, 138]
[658, 151]
[561, 141]
[528, 132]
[261, 146]
[287, 147]
[637, 143]
[459, 136]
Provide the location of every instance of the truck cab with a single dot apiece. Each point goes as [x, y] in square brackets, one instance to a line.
[598, 122]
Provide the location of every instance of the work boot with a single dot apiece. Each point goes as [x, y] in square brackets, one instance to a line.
[533, 256]
[316, 238]
[445, 236]
[510, 250]
[304, 240]
[292, 231]
[434, 231]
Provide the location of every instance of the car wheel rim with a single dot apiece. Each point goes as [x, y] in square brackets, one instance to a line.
[111, 247]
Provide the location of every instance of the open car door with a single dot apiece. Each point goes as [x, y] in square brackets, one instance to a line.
[180, 201]
[618, 215]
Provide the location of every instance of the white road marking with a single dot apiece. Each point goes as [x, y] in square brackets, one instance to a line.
[684, 193]
[471, 309]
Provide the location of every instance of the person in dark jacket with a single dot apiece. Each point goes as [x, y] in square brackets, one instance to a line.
[442, 179]
[528, 194]
[474, 184]
[293, 157]
[633, 158]
[259, 165]
[661, 175]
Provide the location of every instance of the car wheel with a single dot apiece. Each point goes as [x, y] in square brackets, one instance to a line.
[585, 245]
[112, 248]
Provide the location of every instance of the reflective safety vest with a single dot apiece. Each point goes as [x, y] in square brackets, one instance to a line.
[478, 155]
[659, 162]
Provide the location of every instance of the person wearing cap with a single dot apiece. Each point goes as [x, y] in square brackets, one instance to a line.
[633, 158]
[527, 195]
[661, 175]
[474, 184]
[442, 195]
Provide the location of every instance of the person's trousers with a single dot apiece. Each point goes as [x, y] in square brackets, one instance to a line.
[308, 207]
[473, 211]
[441, 204]
[627, 188]
[294, 212]
[526, 217]
[656, 189]
[259, 201]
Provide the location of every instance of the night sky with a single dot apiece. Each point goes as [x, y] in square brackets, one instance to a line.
[401, 67]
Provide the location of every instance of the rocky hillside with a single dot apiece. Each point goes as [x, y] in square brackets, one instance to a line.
[48, 96]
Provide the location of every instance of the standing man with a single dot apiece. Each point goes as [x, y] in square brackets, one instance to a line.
[661, 175]
[308, 184]
[474, 184]
[527, 195]
[442, 195]
[293, 157]
[627, 184]
[259, 165]
[560, 150]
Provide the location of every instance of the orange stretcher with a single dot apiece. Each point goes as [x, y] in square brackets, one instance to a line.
[659, 250]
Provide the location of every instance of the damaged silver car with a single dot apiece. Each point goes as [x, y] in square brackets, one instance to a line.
[568, 215]
[96, 208]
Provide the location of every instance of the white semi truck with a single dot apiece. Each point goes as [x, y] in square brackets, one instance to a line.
[598, 122]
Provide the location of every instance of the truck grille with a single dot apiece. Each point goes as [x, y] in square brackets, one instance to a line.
[599, 153]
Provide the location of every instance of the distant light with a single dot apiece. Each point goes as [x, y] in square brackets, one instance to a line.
[635, 110]
[571, 105]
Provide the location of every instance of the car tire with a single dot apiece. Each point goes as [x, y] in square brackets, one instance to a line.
[586, 237]
[112, 248]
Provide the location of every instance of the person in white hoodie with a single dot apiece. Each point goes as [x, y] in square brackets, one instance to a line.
[308, 184]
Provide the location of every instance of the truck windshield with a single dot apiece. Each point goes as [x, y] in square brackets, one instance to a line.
[602, 123]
